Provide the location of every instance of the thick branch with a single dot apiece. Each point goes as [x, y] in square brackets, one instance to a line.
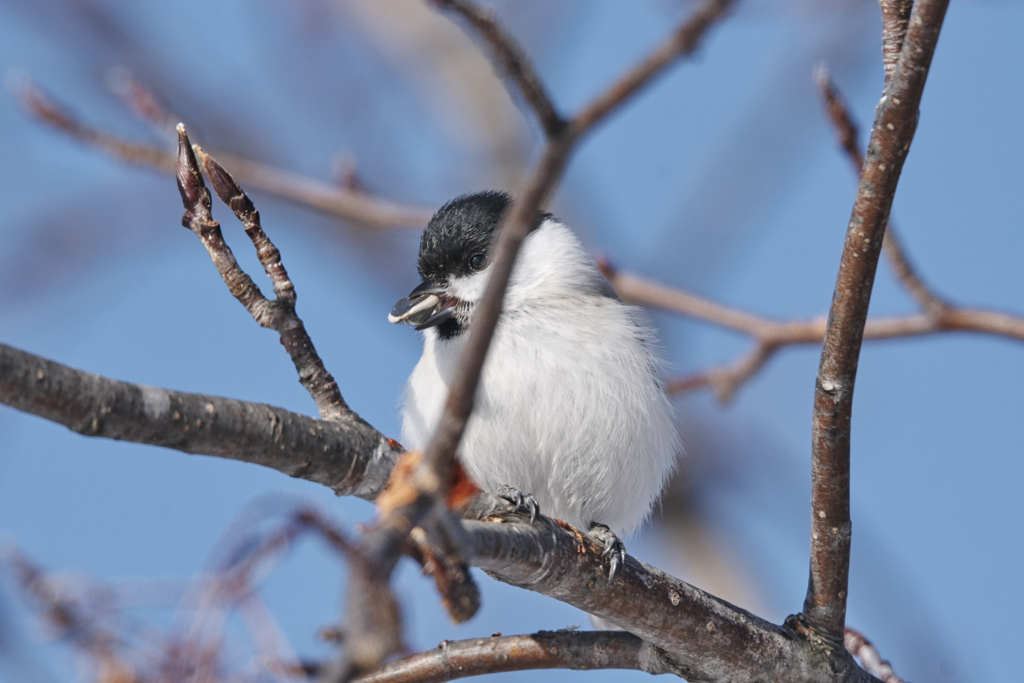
[578, 650]
[709, 638]
[327, 198]
[347, 454]
[895, 122]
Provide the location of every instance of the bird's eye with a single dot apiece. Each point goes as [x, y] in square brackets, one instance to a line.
[477, 260]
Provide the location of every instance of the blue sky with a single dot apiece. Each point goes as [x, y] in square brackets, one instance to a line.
[723, 179]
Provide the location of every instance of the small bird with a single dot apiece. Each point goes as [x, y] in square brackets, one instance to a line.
[570, 413]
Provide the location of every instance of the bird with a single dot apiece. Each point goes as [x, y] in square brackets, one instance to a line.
[570, 414]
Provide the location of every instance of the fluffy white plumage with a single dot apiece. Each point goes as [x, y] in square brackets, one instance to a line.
[569, 408]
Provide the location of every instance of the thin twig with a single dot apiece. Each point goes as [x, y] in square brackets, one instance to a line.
[891, 135]
[771, 335]
[577, 650]
[71, 620]
[725, 380]
[142, 101]
[865, 651]
[279, 314]
[846, 131]
[683, 42]
[511, 59]
[325, 197]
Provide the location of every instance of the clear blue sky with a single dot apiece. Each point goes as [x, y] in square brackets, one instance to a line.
[723, 179]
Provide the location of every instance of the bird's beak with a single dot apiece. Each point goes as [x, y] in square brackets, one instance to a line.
[426, 306]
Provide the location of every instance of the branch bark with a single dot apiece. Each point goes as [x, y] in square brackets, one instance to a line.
[347, 454]
[278, 315]
[578, 650]
[510, 58]
[891, 135]
[709, 638]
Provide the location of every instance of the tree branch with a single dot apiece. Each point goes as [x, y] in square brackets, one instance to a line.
[864, 650]
[891, 135]
[709, 638]
[683, 42]
[327, 198]
[578, 650]
[279, 314]
[770, 336]
[510, 59]
[846, 131]
[347, 454]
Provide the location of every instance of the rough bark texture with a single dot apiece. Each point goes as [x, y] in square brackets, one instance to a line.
[709, 638]
[346, 454]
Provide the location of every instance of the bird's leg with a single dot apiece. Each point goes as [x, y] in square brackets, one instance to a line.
[614, 550]
[523, 502]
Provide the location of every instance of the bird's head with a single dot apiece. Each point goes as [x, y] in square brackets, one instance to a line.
[454, 263]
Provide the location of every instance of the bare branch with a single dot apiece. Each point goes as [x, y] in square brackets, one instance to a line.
[374, 628]
[684, 41]
[278, 315]
[846, 130]
[707, 637]
[578, 650]
[864, 650]
[141, 101]
[325, 197]
[725, 380]
[69, 620]
[891, 135]
[347, 455]
[511, 59]
[771, 335]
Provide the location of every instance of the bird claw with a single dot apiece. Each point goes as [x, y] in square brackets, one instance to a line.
[614, 549]
[523, 502]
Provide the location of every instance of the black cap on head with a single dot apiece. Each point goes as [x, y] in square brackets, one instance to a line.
[458, 237]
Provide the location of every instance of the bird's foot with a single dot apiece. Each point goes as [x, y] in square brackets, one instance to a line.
[523, 502]
[614, 550]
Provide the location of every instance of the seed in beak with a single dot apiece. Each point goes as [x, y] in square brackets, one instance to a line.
[427, 303]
